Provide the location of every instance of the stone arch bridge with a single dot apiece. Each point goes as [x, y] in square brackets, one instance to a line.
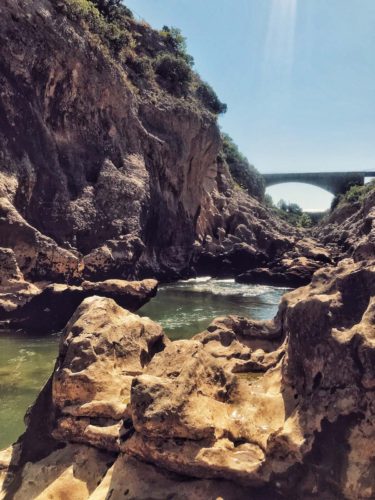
[334, 182]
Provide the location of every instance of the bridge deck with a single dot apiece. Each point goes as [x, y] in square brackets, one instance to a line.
[362, 173]
[334, 182]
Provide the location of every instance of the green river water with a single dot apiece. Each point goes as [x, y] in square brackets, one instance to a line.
[184, 309]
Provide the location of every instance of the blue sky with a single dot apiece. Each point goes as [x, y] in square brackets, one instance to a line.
[298, 77]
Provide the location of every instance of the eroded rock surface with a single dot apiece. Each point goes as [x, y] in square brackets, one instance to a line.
[102, 348]
[38, 256]
[15, 291]
[350, 229]
[295, 268]
[104, 169]
[48, 307]
[123, 177]
[263, 429]
[236, 232]
[278, 409]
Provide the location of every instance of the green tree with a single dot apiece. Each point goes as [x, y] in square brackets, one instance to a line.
[268, 201]
[177, 42]
[209, 98]
[175, 71]
[282, 205]
[111, 9]
[245, 174]
[295, 209]
[305, 220]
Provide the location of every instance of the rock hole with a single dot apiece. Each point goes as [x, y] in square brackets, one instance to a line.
[317, 379]
[155, 347]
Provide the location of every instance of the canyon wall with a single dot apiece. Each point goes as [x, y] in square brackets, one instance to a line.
[103, 172]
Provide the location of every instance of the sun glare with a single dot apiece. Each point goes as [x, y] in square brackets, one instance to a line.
[279, 46]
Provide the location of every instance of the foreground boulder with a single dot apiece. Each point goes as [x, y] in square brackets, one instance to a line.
[95, 367]
[198, 418]
[49, 307]
[277, 409]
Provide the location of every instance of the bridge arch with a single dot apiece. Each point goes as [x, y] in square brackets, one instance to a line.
[309, 197]
[329, 189]
[333, 182]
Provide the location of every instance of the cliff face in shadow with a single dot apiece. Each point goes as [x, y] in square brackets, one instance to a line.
[87, 159]
[103, 167]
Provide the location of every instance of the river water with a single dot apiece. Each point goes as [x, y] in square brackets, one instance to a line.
[184, 309]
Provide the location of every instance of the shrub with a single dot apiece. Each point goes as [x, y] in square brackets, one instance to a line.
[209, 99]
[242, 172]
[336, 201]
[354, 194]
[177, 43]
[175, 72]
[113, 34]
[112, 9]
[78, 10]
[140, 65]
[290, 208]
[305, 221]
[268, 201]
[117, 38]
[290, 212]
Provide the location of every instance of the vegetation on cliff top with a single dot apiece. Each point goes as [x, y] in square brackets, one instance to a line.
[356, 194]
[290, 212]
[155, 61]
[244, 174]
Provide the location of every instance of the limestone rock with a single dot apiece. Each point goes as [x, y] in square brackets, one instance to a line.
[50, 306]
[312, 249]
[14, 290]
[235, 232]
[73, 472]
[119, 183]
[295, 268]
[37, 256]
[9, 270]
[244, 345]
[102, 348]
[80, 472]
[278, 409]
[114, 258]
[272, 428]
[194, 417]
[129, 294]
[350, 229]
[286, 272]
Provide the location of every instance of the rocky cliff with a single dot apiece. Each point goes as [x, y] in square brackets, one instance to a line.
[106, 169]
[350, 228]
[109, 167]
